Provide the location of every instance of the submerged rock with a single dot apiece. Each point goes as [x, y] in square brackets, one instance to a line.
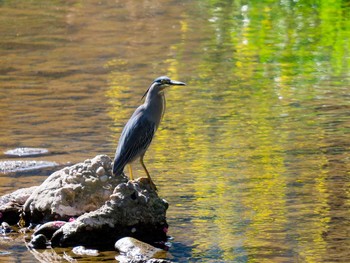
[152, 260]
[72, 191]
[131, 249]
[134, 209]
[10, 166]
[26, 152]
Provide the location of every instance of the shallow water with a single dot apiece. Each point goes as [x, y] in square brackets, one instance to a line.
[252, 155]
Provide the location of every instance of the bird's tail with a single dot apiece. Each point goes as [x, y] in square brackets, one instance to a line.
[117, 169]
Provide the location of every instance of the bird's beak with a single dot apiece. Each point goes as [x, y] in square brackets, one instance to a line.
[177, 83]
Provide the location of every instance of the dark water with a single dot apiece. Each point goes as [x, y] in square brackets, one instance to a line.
[252, 155]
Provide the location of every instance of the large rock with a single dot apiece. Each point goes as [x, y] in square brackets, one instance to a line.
[134, 209]
[72, 191]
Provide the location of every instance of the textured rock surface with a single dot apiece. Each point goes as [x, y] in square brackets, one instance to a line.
[72, 191]
[134, 210]
[19, 196]
[95, 208]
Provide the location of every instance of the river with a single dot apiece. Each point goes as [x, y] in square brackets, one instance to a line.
[252, 155]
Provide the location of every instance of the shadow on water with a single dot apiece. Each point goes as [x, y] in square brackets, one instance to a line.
[252, 155]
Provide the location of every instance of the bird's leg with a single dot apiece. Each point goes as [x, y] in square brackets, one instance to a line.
[147, 173]
[130, 172]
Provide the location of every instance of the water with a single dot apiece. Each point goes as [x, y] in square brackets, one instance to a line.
[252, 155]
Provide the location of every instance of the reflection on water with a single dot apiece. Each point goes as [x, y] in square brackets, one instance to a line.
[252, 155]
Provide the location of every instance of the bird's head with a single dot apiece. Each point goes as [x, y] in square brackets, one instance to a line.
[163, 82]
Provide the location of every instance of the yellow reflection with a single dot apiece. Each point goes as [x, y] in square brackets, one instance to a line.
[229, 140]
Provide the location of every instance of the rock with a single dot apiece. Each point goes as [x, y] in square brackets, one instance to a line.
[100, 171]
[19, 196]
[11, 204]
[134, 210]
[49, 228]
[132, 248]
[5, 228]
[104, 178]
[81, 250]
[100, 208]
[71, 191]
[152, 260]
[26, 152]
[24, 166]
[38, 242]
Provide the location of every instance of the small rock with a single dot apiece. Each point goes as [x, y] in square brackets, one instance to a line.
[5, 228]
[49, 228]
[104, 178]
[38, 241]
[81, 250]
[100, 171]
[135, 249]
[152, 260]
[71, 180]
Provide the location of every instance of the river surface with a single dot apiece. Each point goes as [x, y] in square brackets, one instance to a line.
[252, 155]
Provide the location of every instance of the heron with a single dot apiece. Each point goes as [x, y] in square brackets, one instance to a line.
[140, 129]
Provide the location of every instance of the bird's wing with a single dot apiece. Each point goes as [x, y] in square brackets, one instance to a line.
[134, 141]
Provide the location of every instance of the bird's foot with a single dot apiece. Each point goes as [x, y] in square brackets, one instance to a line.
[148, 181]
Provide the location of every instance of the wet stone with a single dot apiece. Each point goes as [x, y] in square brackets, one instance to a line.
[5, 228]
[49, 228]
[10, 166]
[132, 248]
[38, 242]
[152, 260]
[82, 251]
[26, 152]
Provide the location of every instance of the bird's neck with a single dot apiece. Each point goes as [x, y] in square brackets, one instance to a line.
[155, 104]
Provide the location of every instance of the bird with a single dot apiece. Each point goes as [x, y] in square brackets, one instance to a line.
[140, 129]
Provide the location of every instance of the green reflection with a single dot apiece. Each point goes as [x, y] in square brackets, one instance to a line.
[244, 141]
